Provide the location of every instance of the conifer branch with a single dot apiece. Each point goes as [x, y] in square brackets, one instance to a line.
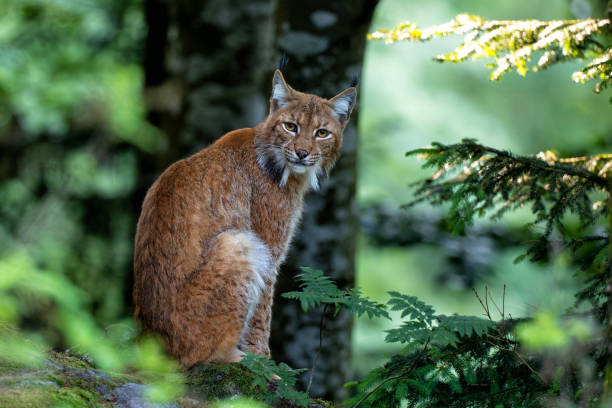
[404, 372]
[477, 179]
[513, 44]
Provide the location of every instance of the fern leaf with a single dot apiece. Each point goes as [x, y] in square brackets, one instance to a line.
[316, 289]
[466, 325]
[413, 330]
[442, 337]
[359, 305]
[412, 307]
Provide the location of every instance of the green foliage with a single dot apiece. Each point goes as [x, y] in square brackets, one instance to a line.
[449, 361]
[425, 326]
[318, 289]
[568, 197]
[281, 375]
[73, 130]
[23, 285]
[477, 180]
[512, 44]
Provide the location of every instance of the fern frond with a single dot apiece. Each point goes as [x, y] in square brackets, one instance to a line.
[409, 331]
[358, 305]
[316, 289]
[412, 307]
[466, 325]
[268, 371]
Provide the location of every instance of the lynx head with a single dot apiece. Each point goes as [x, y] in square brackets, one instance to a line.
[303, 132]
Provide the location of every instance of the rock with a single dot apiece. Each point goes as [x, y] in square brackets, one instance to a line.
[131, 395]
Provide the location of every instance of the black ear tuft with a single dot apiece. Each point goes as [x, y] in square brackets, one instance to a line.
[354, 81]
[282, 64]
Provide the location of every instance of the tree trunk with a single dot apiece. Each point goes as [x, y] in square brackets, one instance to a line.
[325, 44]
[204, 63]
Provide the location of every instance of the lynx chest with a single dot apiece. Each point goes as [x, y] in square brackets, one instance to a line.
[275, 215]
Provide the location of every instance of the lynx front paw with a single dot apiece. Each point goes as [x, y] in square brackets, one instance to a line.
[259, 349]
[235, 356]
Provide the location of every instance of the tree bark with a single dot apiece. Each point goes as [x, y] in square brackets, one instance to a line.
[325, 44]
[204, 64]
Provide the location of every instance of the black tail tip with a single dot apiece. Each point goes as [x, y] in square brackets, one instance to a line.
[354, 81]
[282, 64]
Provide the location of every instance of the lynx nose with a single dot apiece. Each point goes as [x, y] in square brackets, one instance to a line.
[301, 153]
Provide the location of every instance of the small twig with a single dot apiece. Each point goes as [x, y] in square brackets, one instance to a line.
[504, 304]
[495, 304]
[528, 366]
[314, 362]
[483, 305]
[487, 300]
[395, 377]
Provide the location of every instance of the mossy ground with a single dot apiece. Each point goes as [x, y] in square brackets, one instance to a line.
[213, 382]
[61, 380]
[66, 379]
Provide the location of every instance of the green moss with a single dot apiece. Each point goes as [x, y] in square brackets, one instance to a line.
[26, 396]
[213, 382]
[52, 379]
[49, 379]
[70, 359]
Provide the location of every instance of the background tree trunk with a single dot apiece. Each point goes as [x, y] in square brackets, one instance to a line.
[325, 44]
[204, 66]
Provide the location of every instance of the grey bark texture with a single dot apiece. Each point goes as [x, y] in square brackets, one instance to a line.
[325, 42]
[205, 63]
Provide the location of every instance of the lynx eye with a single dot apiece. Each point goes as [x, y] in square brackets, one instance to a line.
[322, 133]
[290, 127]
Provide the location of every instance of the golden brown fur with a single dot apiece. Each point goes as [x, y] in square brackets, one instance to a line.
[215, 227]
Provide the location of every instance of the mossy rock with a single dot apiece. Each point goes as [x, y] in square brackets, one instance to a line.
[42, 378]
[61, 380]
[211, 382]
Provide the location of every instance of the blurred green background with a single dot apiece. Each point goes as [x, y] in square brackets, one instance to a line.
[408, 100]
[74, 133]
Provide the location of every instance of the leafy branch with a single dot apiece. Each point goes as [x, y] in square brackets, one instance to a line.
[513, 43]
[319, 289]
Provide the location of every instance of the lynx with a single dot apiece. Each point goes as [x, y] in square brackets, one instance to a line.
[215, 227]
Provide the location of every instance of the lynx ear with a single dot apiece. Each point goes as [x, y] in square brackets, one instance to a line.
[343, 103]
[280, 92]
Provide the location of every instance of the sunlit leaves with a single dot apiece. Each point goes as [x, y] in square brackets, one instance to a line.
[513, 43]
